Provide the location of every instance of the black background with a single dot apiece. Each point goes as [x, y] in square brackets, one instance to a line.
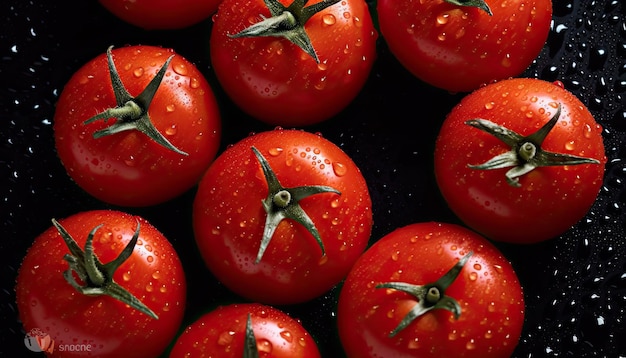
[575, 285]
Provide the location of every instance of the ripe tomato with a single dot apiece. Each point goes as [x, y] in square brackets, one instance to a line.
[279, 82]
[112, 318]
[228, 331]
[439, 271]
[543, 194]
[161, 14]
[458, 48]
[156, 148]
[258, 215]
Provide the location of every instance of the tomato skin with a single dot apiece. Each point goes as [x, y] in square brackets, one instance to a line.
[221, 333]
[550, 199]
[161, 14]
[153, 274]
[228, 217]
[487, 289]
[459, 48]
[277, 82]
[128, 168]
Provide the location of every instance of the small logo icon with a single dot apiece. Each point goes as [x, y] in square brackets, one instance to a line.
[38, 341]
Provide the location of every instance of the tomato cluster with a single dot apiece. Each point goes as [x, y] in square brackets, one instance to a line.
[284, 216]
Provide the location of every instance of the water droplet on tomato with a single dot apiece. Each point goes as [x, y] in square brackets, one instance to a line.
[225, 338]
[149, 287]
[130, 161]
[138, 72]
[570, 145]
[180, 68]
[171, 130]
[126, 276]
[506, 61]
[263, 345]
[453, 335]
[276, 151]
[83, 80]
[329, 19]
[286, 335]
[339, 169]
[150, 258]
[413, 344]
[442, 19]
[471, 344]
[357, 22]
[346, 15]
[194, 82]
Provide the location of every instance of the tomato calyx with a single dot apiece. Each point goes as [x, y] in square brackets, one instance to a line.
[250, 350]
[526, 153]
[131, 113]
[96, 276]
[429, 296]
[287, 22]
[480, 4]
[283, 203]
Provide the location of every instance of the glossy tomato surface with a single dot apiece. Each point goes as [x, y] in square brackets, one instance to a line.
[129, 168]
[277, 82]
[222, 333]
[458, 48]
[573, 284]
[487, 290]
[161, 14]
[229, 217]
[549, 199]
[101, 325]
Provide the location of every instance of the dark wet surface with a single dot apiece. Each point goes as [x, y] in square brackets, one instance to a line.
[575, 285]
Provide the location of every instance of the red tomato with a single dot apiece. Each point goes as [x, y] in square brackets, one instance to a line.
[458, 48]
[268, 248]
[94, 323]
[483, 290]
[223, 333]
[524, 198]
[278, 82]
[161, 14]
[130, 168]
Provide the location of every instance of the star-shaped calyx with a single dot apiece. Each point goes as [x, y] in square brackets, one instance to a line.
[526, 153]
[429, 296]
[97, 277]
[131, 113]
[287, 22]
[284, 203]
